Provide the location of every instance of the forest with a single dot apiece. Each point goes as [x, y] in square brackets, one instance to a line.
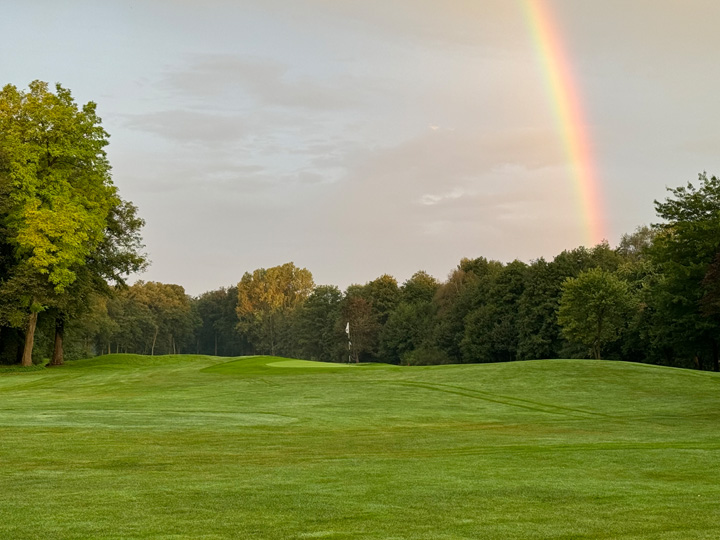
[68, 241]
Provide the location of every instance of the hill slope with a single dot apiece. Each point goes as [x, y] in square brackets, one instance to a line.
[125, 446]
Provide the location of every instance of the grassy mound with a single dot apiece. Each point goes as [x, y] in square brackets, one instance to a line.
[125, 446]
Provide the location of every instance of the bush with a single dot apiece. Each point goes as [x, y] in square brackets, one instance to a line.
[426, 356]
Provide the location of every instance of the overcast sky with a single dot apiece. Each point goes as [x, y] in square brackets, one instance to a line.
[362, 137]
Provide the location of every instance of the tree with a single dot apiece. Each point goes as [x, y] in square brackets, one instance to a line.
[466, 290]
[421, 287]
[634, 247]
[57, 199]
[710, 301]
[170, 313]
[266, 296]
[318, 320]
[539, 335]
[409, 325]
[383, 294]
[594, 308]
[217, 333]
[406, 330]
[364, 327]
[684, 249]
[117, 256]
[491, 327]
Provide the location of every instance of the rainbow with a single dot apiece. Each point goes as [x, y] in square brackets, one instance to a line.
[571, 121]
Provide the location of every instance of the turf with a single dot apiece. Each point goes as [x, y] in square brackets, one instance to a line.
[196, 447]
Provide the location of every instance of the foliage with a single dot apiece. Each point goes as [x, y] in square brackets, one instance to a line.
[685, 246]
[408, 327]
[266, 297]
[64, 230]
[362, 324]
[60, 192]
[491, 328]
[217, 334]
[426, 355]
[420, 288]
[594, 308]
[318, 321]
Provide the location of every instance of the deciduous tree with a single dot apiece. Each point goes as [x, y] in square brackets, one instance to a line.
[59, 206]
[594, 308]
[684, 248]
[266, 296]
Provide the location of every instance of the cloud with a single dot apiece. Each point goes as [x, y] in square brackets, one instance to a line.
[189, 126]
[459, 158]
[441, 180]
[430, 199]
[451, 22]
[248, 81]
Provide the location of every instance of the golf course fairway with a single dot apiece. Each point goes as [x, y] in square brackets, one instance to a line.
[198, 447]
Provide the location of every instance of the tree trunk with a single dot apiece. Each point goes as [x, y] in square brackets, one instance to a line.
[29, 339]
[699, 362]
[716, 360]
[215, 343]
[57, 357]
[152, 349]
[272, 335]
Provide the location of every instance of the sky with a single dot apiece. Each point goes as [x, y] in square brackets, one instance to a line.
[362, 137]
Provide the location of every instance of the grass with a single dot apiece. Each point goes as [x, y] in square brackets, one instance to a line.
[176, 447]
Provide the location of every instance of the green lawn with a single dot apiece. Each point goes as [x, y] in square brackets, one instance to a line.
[194, 447]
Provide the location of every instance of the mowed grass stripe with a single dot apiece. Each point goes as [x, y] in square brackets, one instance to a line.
[125, 446]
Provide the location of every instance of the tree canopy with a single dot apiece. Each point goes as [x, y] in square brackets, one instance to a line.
[64, 226]
[594, 308]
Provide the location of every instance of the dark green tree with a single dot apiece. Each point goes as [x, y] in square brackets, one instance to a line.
[217, 331]
[466, 289]
[491, 328]
[594, 309]
[319, 329]
[409, 325]
[684, 248]
[539, 335]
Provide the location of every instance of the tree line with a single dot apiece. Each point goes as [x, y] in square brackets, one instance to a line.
[654, 298]
[68, 241]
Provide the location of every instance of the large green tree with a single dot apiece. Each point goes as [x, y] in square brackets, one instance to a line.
[684, 249]
[57, 200]
[594, 308]
[318, 325]
[115, 257]
[491, 328]
[409, 325]
[466, 290]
